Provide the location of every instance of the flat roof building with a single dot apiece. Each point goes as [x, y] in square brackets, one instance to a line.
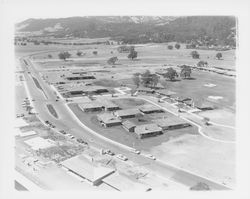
[108, 119]
[204, 105]
[87, 169]
[171, 123]
[147, 109]
[129, 126]
[110, 106]
[165, 93]
[127, 113]
[79, 77]
[147, 130]
[91, 106]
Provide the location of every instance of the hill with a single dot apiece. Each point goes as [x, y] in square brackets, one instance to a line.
[139, 29]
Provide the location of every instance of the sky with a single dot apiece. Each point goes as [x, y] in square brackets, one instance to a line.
[19, 10]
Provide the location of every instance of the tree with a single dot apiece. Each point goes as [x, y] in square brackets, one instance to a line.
[202, 64]
[200, 186]
[95, 52]
[64, 55]
[79, 53]
[49, 56]
[136, 80]
[195, 55]
[132, 54]
[146, 78]
[155, 80]
[177, 46]
[171, 74]
[112, 60]
[170, 47]
[185, 71]
[219, 55]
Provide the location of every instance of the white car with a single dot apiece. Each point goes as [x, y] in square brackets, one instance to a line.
[136, 151]
[121, 157]
[150, 156]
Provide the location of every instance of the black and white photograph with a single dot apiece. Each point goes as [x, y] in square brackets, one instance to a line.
[124, 101]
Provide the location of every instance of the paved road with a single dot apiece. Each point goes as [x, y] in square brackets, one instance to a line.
[68, 123]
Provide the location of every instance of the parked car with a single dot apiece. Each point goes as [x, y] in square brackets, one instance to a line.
[108, 152]
[80, 140]
[19, 115]
[136, 151]
[62, 131]
[121, 157]
[150, 156]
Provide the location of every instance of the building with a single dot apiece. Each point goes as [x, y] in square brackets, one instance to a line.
[85, 168]
[147, 130]
[121, 182]
[127, 113]
[165, 93]
[157, 86]
[79, 77]
[171, 123]
[147, 109]
[110, 106]
[129, 126]
[204, 105]
[86, 90]
[91, 106]
[145, 90]
[108, 120]
[182, 99]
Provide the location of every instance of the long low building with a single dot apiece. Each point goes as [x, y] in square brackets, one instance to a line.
[147, 109]
[91, 106]
[87, 169]
[147, 130]
[127, 113]
[171, 123]
[108, 119]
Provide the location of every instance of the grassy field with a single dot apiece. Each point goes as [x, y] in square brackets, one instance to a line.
[118, 133]
[52, 110]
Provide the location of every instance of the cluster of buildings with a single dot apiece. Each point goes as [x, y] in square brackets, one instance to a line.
[187, 101]
[115, 116]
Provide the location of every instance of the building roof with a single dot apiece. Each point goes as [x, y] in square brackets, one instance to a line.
[108, 118]
[183, 98]
[123, 183]
[147, 128]
[126, 112]
[39, 143]
[109, 104]
[128, 124]
[149, 107]
[203, 104]
[166, 92]
[170, 121]
[89, 105]
[87, 169]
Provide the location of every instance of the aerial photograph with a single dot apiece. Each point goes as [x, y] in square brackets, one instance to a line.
[125, 103]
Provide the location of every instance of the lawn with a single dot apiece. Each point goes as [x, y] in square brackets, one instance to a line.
[52, 110]
[119, 134]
